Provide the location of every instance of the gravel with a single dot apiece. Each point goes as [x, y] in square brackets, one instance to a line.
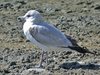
[78, 19]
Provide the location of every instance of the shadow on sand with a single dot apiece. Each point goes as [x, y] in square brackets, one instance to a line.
[77, 65]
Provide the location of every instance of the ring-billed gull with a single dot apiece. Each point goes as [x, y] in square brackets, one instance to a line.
[43, 34]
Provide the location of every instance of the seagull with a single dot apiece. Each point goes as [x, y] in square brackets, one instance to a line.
[45, 35]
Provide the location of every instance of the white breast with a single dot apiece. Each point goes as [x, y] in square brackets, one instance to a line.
[26, 27]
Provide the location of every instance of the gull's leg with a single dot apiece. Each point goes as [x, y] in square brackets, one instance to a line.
[46, 54]
[41, 59]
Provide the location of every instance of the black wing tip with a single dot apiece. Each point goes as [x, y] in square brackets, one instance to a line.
[81, 50]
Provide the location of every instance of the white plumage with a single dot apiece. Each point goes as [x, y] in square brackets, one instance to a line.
[43, 34]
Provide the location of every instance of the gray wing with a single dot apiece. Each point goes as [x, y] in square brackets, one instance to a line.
[48, 36]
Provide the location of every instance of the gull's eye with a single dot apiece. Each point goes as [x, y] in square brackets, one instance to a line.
[28, 15]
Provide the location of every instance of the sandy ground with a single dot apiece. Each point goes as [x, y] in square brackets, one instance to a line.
[77, 18]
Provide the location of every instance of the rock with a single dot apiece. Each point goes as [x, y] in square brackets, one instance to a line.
[6, 71]
[12, 63]
[97, 7]
[33, 71]
[6, 5]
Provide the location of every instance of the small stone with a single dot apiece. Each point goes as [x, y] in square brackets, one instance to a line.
[6, 71]
[13, 63]
[97, 7]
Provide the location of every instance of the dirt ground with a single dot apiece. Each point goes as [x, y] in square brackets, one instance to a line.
[79, 19]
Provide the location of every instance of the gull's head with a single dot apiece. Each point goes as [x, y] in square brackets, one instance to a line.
[32, 16]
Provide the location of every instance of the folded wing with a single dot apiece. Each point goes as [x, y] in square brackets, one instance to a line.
[48, 36]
